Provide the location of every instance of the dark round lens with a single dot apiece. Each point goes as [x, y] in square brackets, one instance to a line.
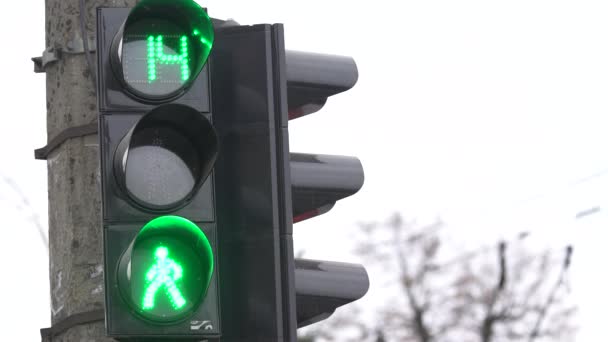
[165, 157]
[162, 166]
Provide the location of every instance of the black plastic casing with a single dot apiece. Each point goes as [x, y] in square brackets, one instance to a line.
[260, 187]
[313, 77]
[322, 286]
[318, 181]
[253, 190]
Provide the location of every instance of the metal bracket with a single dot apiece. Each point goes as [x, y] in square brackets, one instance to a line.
[76, 45]
[68, 133]
[49, 55]
[47, 334]
[52, 54]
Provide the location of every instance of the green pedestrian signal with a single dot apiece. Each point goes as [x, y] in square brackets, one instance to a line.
[166, 271]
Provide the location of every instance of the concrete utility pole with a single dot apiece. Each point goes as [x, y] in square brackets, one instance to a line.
[75, 232]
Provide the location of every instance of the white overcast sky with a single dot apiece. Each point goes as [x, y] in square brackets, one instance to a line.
[491, 114]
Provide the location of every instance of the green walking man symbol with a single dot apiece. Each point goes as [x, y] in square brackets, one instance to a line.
[164, 273]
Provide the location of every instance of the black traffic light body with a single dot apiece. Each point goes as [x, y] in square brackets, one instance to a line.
[318, 182]
[241, 206]
[136, 129]
[262, 188]
[323, 286]
[252, 184]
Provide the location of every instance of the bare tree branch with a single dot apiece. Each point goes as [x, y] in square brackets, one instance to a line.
[417, 308]
[491, 294]
[487, 326]
[550, 300]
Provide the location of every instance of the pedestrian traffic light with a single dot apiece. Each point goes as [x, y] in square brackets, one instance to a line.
[199, 189]
[158, 148]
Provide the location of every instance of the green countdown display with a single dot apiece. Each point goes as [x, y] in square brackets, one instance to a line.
[157, 55]
[165, 274]
[165, 45]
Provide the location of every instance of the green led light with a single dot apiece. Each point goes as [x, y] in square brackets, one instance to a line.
[163, 274]
[167, 272]
[165, 46]
[206, 42]
[151, 61]
[157, 55]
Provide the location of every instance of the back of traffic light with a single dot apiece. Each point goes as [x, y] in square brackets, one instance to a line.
[262, 188]
[318, 182]
[158, 147]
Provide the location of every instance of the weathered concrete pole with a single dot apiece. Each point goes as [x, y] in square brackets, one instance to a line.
[75, 232]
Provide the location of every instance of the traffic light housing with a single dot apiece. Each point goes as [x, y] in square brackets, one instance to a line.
[262, 188]
[158, 147]
[318, 182]
[323, 286]
[199, 188]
